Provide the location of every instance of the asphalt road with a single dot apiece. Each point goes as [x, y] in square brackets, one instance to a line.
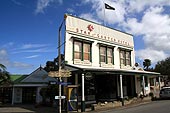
[162, 106]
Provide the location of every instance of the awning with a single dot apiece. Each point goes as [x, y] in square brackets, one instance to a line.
[101, 70]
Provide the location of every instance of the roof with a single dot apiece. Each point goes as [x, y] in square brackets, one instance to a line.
[37, 77]
[17, 78]
[98, 70]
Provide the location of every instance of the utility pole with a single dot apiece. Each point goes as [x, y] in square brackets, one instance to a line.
[59, 63]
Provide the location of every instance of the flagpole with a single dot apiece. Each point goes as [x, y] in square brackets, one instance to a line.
[104, 13]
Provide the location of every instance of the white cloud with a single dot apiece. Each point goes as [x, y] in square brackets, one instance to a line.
[147, 18]
[69, 10]
[32, 56]
[29, 46]
[4, 59]
[89, 17]
[153, 55]
[43, 4]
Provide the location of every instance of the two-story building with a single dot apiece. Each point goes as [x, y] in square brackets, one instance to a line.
[102, 61]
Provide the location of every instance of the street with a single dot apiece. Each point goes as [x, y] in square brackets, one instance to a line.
[162, 106]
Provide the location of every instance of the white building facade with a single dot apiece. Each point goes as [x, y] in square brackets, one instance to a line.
[102, 61]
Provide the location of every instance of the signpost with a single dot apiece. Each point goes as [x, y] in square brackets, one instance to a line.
[60, 73]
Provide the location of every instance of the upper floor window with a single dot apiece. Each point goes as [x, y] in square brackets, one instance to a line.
[125, 57]
[82, 50]
[106, 55]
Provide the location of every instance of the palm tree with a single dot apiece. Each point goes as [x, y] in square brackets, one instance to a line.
[146, 63]
[2, 67]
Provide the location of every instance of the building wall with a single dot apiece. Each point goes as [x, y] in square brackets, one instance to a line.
[17, 95]
[76, 27]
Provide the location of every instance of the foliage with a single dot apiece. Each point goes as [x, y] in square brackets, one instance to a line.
[4, 76]
[53, 65]
[48, 93]
[163, 66]
[146, 63]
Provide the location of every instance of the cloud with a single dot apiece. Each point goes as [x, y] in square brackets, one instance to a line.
[33, 48]
[4, 59]
[17, 2]
[153, 55]
[89, 17]
[43, 4]
[29, 46]
[69, 10]
[147, 19]
[32, 56]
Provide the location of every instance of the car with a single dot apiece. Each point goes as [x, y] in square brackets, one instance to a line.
[165, 93]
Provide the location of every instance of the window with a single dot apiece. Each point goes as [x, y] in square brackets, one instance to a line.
[82, 50]
[106, 55]
[125, 57]
[109, 55]
[102, 54]
[86, 52]
[77, 50]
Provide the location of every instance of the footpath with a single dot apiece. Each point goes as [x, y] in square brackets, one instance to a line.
[25, 108]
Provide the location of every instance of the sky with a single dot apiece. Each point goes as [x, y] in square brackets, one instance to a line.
[29, 28]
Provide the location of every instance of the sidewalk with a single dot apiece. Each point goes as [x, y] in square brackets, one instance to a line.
[27, 108]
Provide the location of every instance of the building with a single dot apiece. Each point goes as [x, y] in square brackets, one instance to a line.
[102, 61]
[26, 88]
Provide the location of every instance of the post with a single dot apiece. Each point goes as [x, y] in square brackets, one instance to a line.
[159, 82]
[154, 81]
[121, 90]
[143, 80]
[13, 95]
[59, 63]
[83, 98]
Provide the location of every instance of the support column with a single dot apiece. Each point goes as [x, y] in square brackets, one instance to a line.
[83, 98]
[159, 83]
[143, 77]
[76, 79]
[13, 97]
[154, 80]
[121, 90]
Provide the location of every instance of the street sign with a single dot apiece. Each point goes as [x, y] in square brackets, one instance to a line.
[60, 97]
[60, 73]
[65, 83]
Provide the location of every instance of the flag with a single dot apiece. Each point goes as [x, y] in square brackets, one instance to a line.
[109, 7]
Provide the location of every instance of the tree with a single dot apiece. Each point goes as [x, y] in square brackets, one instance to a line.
[53, 65]
[4, 75]
[163, 66]
[146, 63]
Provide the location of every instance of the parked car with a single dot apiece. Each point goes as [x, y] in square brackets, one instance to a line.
[164, 93]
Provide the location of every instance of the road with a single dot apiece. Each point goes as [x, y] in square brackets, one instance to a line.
[162, 106]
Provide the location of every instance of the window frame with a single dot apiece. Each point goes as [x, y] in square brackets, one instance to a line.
[82, 50]
[106, 54]
[125, 58]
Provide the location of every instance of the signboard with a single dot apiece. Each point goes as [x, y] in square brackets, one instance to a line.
[98, 32]
[60, 97]
[61, 73]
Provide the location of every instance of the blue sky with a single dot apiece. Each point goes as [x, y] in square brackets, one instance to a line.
[29, 28]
